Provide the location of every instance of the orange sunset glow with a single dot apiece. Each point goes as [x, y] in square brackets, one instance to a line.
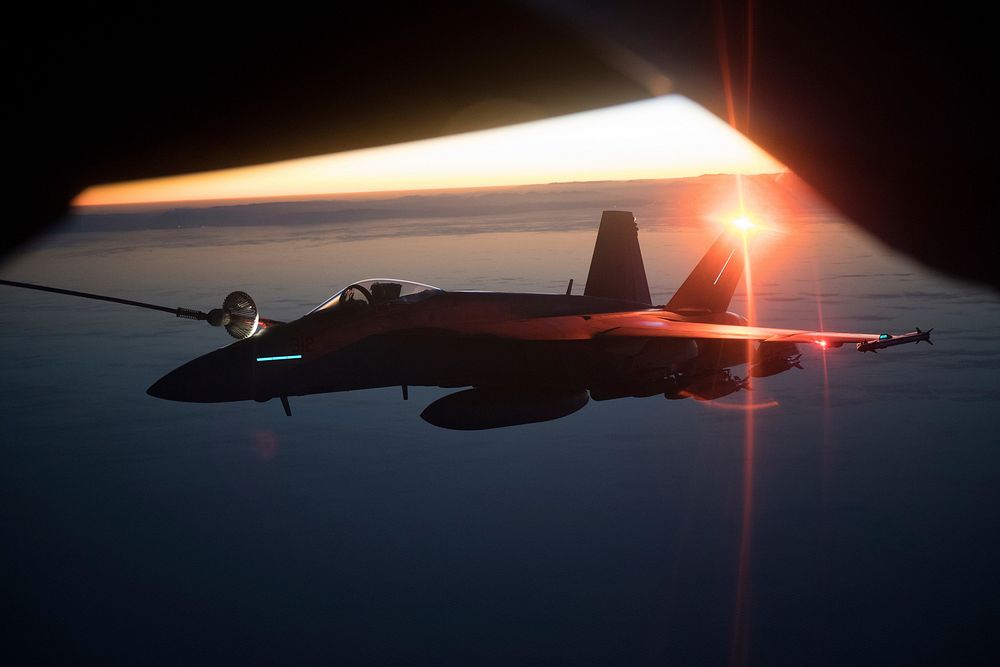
[665, 137]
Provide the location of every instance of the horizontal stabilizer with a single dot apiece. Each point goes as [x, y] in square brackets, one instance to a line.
[616, 270]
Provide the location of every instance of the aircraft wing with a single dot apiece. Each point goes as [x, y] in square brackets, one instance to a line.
[651, 324]
[662, 327]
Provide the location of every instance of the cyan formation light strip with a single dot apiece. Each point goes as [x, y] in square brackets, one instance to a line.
[284, 358]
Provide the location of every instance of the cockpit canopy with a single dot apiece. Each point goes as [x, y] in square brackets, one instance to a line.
[378, 291]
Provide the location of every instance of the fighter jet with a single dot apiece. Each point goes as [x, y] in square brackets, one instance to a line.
[517, 358]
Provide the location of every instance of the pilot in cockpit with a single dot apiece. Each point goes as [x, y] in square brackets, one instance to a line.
[358, 296]
[383, 292]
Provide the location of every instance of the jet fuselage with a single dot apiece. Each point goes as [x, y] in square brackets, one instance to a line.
[433, 343]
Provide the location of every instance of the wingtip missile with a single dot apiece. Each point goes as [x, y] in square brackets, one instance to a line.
[888, 340]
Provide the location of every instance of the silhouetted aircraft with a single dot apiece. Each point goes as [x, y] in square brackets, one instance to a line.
[525, 357]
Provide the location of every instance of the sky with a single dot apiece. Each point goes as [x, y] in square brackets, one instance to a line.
[665, 137]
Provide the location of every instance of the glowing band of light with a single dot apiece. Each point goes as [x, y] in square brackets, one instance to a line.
[284, 358]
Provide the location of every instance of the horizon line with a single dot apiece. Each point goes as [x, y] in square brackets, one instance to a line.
[361, 194]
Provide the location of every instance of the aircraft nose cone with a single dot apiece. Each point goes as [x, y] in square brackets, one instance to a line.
[163, 388]
[222, 375]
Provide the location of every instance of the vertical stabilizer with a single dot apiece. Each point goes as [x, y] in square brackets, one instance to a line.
[616, 270]
[711, 285]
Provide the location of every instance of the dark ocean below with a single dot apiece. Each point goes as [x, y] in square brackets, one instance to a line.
[143, 531]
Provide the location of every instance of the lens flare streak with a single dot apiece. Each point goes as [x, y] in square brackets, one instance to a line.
[741, 621]
[741, 625]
